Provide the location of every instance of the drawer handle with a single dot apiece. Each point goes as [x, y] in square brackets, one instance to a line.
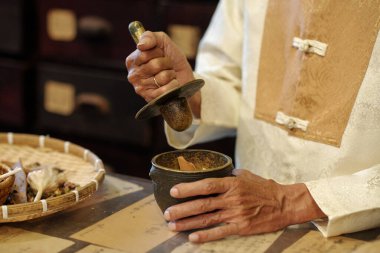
[93, 100]
[94, 27]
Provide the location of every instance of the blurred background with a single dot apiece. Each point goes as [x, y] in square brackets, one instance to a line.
[62, 73]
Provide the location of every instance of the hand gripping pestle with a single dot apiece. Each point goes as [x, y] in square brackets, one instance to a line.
[172, 105]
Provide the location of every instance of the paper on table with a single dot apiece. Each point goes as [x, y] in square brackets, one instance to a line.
[16, 240]
[112, 187]
[236, 244]
[116, 187]
[137, 228]
[368, 247]
[97, 249]
[313, 241]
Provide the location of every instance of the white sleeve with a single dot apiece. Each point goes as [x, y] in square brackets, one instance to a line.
[219, 64]
[351, 202]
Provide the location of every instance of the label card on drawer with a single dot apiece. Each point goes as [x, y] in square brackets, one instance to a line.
[59, 97]
[61, 24]
[186, 37]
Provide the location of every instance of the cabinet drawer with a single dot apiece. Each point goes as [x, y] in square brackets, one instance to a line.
[186, 21]
[13, 78]
[90, 103]
[11, 26]
[93, 32]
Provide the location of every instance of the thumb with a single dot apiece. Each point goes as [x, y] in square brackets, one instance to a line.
[147, 41]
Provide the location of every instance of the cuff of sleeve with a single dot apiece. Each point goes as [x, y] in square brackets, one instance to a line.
[351, 202]
[219, 117]
[181, 140]
[198, 132]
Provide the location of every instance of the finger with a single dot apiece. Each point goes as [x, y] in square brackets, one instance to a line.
[202, 187]
[169, 86]
[164, 77]
[150, 92]
[142, 57]
[214, 233]
[139, 79]
[148, 84]
[199, 221]
[147, 41]
[148, 70]
[129, 61]
[153, 67]
[194, 207]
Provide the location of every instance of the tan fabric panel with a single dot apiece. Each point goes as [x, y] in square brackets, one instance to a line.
[319, 89]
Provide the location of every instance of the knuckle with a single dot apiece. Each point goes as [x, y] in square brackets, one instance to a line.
[143, 57]
[209, 187]
[236, 182]
[156, 66]
[205, 204]
[166, 75]
[134, 80]
[131, 78]
[130, 75]
[128, 62]
[217, 217]
[237, 185]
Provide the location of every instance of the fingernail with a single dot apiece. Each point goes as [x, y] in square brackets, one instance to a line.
[167, 215]
[141, 43]
[193, 238]
[174, 192]
[172, 226]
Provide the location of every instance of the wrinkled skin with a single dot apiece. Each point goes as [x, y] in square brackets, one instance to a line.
[246, 204]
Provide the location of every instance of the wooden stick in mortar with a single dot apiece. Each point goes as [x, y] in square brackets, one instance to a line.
[185, 165]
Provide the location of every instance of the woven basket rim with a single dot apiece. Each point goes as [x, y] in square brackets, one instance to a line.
[32, 210]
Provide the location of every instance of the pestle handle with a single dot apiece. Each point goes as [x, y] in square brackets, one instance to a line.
[136, 29]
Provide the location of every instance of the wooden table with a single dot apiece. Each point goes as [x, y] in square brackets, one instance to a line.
[66, 223]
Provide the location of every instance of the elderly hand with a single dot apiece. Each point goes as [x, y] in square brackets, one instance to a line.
[157, 65]
[246, 204]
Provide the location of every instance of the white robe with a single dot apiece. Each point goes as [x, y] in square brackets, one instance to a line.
[344, 181]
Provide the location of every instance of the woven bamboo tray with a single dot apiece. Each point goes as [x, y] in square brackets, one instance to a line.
[82, 167]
